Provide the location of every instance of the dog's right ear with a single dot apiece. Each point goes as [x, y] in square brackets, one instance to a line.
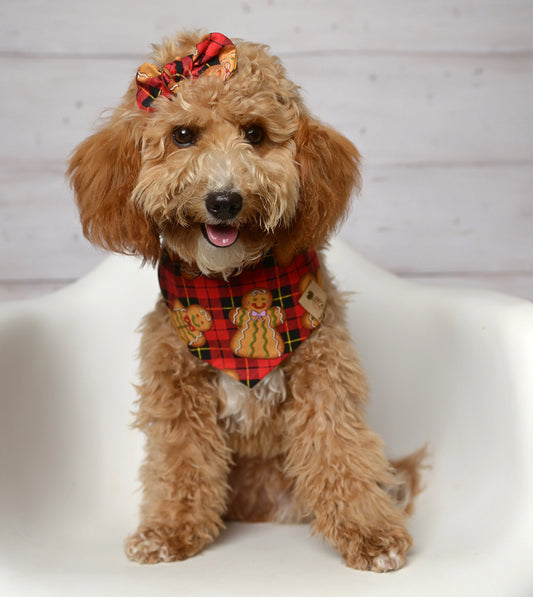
[103, 171]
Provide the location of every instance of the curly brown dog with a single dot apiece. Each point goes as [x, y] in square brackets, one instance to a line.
[251, 399]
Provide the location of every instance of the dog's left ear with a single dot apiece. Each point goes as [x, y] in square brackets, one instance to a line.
[329, 172]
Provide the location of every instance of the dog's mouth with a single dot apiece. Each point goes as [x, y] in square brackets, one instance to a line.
[220, 235]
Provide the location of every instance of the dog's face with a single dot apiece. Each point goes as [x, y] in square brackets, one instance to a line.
[219, 174]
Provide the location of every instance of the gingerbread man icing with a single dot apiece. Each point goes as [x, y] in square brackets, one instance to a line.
[191, 323]
[257, 320]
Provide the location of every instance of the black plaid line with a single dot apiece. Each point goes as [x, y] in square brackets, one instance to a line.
[177, 67]
[269, 260]
[202, 353]
[292, 340]
[285, 297]
[227, 303]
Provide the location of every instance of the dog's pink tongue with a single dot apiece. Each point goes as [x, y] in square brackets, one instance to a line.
[221, 236]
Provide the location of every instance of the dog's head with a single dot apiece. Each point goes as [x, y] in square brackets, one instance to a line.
[219, 173]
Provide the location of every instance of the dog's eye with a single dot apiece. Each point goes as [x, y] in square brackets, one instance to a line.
[183, 136]
[254, 134]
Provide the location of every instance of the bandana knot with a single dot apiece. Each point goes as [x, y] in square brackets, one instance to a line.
[216, 56]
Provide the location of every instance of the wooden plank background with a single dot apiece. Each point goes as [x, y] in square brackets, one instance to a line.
[436, 94]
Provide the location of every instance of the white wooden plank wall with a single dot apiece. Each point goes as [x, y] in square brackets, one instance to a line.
[437, 95]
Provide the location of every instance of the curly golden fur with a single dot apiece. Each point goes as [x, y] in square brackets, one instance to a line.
[296, 447]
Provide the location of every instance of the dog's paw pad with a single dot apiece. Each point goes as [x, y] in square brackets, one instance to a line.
[386, 562]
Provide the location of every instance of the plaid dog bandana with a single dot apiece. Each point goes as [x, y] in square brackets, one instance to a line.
[215, 56]
[247, 325]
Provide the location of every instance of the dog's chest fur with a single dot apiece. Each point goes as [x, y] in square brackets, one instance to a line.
[253, 413]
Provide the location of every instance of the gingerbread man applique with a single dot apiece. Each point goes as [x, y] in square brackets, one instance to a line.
[191, 323]
[257, 320]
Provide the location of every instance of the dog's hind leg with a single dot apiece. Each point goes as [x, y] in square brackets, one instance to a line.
[262, 492]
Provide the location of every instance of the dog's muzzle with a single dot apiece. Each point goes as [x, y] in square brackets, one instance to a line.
[225, 206]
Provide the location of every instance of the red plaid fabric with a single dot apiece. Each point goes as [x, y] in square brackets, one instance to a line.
[215, 52]
[235, 324]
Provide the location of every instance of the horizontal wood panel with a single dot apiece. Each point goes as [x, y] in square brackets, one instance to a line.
[445, 219]
[64, 26]
[425, 109]
[40, 236]
[418, 219]
[398, 109]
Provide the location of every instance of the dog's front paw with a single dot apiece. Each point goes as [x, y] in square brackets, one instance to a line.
[387, 562]
[379, 551]
[150, 546]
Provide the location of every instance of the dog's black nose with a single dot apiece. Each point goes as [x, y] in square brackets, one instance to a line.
[224, 205]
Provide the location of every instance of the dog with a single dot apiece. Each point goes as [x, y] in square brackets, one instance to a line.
[251, 394]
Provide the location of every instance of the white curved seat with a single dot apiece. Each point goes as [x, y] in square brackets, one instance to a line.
[453, 368]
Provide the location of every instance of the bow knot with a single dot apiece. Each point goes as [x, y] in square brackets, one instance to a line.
[216, 56]
[259, 314]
